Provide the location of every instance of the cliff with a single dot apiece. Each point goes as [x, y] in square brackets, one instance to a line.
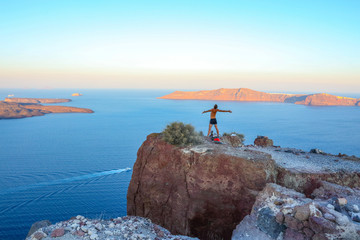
[10, 110]
[248, 95]
[207, 190]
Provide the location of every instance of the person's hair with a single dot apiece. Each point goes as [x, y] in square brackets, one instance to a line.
[215, 106]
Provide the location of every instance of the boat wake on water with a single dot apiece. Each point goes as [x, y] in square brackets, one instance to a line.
[64, 180]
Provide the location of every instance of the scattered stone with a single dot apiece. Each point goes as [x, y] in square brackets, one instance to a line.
[308, 232]
[330, 217]
[279, 217]
[356, 208]
[302, 213]
[293, 223]
[111, 225]
[342, 201]
[38, 235]
[321, 225]
[330, 206]
[94, 236]
[342, 220]
[290, 234]
[58, 232]
[79, 233]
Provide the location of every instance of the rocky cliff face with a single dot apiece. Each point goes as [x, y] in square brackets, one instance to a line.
[206, 190]
[248, 95]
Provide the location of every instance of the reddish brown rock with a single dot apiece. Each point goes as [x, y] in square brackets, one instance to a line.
[198, 192]
[321, 225]
[58, 232]
[293, 223]
[248, 95]
[290, 234]
[279, 217]
[308, 232]
[263, 141]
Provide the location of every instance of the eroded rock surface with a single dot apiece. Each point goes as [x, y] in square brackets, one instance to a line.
[206, 190]
[290, 215]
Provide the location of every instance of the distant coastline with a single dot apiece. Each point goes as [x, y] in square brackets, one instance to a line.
[12, 108]
[249, 95]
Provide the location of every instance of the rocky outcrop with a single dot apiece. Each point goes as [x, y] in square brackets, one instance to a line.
[122, 228]
[206, 190]
[248, 95]
[10, 110]
[37, 100]
[282, 213]
[263, 141]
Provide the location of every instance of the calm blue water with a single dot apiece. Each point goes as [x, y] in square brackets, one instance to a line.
[61, 165]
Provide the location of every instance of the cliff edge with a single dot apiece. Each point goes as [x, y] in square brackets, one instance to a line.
[208, 189]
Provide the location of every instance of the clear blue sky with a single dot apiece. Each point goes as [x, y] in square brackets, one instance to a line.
[264, 45]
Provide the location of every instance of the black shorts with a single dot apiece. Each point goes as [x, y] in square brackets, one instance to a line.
[213, 121]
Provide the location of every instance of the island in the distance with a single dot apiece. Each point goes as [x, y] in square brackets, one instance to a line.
[249, 95]
[29, 107]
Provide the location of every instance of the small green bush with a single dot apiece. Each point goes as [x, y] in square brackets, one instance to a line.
[180, 134]
[240, 135]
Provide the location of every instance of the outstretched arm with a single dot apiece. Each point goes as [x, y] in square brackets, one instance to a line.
[206, 111]
[229, 111]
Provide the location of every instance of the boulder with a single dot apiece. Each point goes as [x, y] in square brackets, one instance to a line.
[263, 141]
[234, 141]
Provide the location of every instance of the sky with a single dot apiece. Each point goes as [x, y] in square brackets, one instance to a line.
[304, 46]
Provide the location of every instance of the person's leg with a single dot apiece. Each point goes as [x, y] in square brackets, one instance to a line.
[209, 129]
[217, 130]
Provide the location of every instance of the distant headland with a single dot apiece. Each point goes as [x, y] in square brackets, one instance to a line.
[249, 95]
[29, 107]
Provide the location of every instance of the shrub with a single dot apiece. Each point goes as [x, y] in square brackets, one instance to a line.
[240, 135]
[180, 134]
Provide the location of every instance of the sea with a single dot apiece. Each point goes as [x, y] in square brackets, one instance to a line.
[62, 165]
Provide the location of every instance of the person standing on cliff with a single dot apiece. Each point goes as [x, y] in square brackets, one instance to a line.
[213, 118]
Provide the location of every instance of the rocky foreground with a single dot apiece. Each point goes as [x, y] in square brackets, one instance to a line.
[121, 228]
[248, 95]
[207, 190]
[29, 107]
